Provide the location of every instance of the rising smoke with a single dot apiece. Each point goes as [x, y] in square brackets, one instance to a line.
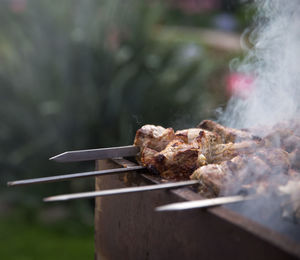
[274, 62]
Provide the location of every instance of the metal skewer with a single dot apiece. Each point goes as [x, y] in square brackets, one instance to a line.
[96, 154]
[74, 176]
[202, 203]
[94, 194]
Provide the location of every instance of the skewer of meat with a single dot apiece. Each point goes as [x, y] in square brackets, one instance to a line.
[179, 159]
[230, 176]
[227, 134]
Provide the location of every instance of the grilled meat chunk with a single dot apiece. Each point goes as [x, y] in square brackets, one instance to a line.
[188, 135]
[147, 158]
[291, 143]
[227, 134]
[277, 138]
[224, 152]
[154, 137]
[229, 176]
[213, 177]
[177, 161]
[294, 157]
[206, 138]
[278, 159]
[186, 151]
[226, 160]
[207, 141]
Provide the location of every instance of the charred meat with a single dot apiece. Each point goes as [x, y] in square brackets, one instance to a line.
[227, 134]
[154, 137]
[226, 160]
[177, 161]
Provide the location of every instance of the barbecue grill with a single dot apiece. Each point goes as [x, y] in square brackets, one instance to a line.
[127, 227]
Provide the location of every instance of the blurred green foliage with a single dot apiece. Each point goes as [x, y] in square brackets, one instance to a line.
[33, 240]
[85, 74]
[239, 10]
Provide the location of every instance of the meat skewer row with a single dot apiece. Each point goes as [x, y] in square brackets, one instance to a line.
[227, 134]
[229, 176]
[215, 154]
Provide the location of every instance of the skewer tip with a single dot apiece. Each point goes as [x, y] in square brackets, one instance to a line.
[165, 208]
[54, 198]
[56, 157]
[186, 205]
[53, 158]
[10, 183]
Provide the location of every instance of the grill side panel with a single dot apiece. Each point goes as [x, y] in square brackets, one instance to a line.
[127, 227]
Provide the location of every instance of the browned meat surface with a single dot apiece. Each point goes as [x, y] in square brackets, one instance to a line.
[224, 152]
[147, 158]
[213, 178]
[206, 138]
[226, 160]
[207, 141]
[183, 155]
[188, 135]
[227, 134]
[294, 157]
[154, 137]
[278, 159]
[277, 137]
[256, 167]
[185, 151]
[216, 178]
[177, 161]
[229, 176]
[291, 143]
[252, 173]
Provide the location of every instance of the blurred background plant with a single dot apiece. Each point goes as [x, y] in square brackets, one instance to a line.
[85, 74]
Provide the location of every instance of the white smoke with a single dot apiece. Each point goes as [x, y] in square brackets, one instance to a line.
[274, 62]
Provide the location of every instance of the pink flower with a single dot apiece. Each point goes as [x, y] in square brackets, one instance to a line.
[18, 6]
[239, 84]
[197, 6]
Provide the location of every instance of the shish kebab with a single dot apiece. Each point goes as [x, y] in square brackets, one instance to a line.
[176, 155]
[95, 154]
[152, 137]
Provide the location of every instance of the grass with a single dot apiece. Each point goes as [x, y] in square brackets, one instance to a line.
[26, 239]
